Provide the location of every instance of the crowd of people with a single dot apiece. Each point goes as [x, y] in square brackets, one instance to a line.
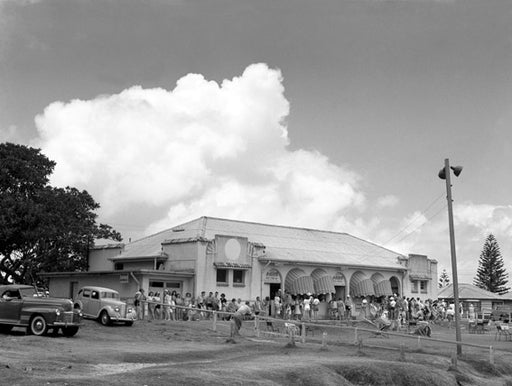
[395, 310]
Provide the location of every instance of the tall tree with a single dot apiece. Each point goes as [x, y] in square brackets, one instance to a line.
[491, 274]
[42, 228]
[444, 279]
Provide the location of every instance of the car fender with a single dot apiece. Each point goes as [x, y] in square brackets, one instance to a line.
[27, 313]
[109, 310]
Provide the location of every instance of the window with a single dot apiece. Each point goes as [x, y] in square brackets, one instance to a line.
[414, 287]
[238, 277]
[423, 287]
[95, 295]
[87, 293]
[118, 266]
[222, 276]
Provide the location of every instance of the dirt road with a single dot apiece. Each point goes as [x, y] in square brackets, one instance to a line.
[190, 353]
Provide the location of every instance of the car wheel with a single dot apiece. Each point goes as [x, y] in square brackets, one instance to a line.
[69, 331]
[105, 318]
[5, 328]
[129, 324]
[38, 325]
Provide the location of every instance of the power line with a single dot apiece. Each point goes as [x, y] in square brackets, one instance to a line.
[428, 219]
[423, 213]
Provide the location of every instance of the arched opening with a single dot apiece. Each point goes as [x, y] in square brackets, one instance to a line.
[395, 285]
[297, 282]
[381, 286]
[322, 282]
[360, 285]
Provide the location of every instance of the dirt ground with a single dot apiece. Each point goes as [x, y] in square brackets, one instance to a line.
[191, 353]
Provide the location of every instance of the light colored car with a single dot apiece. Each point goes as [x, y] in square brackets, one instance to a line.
[23, 306]
[104, 305]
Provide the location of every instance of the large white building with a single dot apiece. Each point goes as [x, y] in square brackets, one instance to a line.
[246, 259]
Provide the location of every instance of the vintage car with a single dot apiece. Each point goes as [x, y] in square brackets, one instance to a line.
[104, 305]
[23, 306]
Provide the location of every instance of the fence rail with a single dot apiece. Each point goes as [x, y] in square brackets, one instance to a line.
[305, 331]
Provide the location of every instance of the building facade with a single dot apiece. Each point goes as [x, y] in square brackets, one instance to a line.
[245, 260]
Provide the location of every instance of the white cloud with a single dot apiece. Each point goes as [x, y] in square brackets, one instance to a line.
[156, 157]
[202, 148]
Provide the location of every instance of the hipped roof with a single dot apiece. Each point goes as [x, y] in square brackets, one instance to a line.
[282, 243]
[469, 291]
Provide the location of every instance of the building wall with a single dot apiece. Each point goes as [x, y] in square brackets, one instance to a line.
[61, 286]
[181, 256]
[99, 258]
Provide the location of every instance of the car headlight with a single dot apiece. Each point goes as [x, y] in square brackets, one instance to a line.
[130, 310]
[117, 309]
[57, 312]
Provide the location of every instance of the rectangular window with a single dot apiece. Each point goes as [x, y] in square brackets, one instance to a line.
[173, 285]
[414, 287]
[238, 277]
[222, 276]
[118, 266]
[423, 287]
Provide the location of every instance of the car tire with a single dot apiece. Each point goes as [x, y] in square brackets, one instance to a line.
[69, 331]
[129, 324]
[105, 318]
[38, 326]
[5, 328]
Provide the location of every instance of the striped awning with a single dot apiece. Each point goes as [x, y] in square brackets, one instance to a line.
[363, 288]
[383, 288]
[302, 285]
[324, 285]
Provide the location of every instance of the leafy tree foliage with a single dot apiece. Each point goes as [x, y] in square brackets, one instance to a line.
[444, 279]
[491, 274]
[42, 228]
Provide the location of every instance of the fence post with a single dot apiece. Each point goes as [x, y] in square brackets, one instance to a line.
[491, 355]
[356, 341]
[214, 320]
[454, 359]
[419, 341]
[257, 325]
[324, 339]
[303, 333]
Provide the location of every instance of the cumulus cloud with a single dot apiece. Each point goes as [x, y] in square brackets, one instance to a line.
[154, 158]
[203, 148]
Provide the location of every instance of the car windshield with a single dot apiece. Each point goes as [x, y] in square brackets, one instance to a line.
[110, 295]
[29, 292]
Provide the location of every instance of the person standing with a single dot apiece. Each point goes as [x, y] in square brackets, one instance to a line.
[258, 306]
[341, 308]
[307, 307]
[138, 302]
[349, 307]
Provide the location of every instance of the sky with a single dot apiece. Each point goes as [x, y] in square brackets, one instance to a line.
[333, 115]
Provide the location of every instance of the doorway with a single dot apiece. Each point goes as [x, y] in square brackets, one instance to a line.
[340, 292]
[274, 288]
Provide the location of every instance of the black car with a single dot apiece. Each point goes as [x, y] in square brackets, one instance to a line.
[24, 306]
